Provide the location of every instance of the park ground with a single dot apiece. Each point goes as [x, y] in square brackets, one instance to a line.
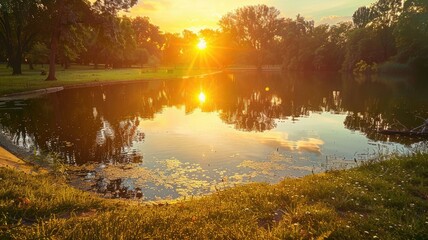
[385, 199]
[79, 75]
[377, 200]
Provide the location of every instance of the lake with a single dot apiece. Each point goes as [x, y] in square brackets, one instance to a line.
[176, 138]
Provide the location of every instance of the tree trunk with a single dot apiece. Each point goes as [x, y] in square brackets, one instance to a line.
[16, 69]
[56, 33]
[66, 64]
[15, 63]
[52, 55]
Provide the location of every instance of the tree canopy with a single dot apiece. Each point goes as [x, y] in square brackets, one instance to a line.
[384, 34]
[18, 29]
[254, 27]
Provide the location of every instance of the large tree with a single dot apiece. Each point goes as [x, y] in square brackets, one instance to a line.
[171, 49]
[411, 34]
[255, 28]
[19, 28]
[363, 16]
[147, 35]
[67, 13]
[63, 17]
[296, 39]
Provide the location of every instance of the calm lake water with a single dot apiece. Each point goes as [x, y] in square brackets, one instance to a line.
[175, 138]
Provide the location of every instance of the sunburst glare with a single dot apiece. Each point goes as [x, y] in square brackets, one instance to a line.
[202, 44]
[202, 98]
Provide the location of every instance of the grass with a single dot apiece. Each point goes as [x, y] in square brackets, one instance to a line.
[32, 79]
[380, 200]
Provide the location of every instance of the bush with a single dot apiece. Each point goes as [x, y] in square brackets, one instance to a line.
[362, 67]
[394, 68]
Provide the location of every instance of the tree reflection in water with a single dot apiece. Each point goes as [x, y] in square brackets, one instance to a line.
[100, 124]
[103, 124]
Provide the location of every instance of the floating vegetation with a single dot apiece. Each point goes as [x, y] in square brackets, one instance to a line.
[265, 168]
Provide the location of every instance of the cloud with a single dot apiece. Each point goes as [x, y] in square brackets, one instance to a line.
[148, 6]
[331, 20]
[311, 145]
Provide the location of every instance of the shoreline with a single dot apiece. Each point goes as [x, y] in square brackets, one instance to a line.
[96, 83]
[380, 200]
[17, 158]
[10, 161]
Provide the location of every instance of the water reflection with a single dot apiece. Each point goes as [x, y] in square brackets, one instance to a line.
[184, 137]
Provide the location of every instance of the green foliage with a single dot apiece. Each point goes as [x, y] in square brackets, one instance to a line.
[73, 44]
[112, 7]
[362, 17]
[39, 53]
[388, 30]
[147, 36]
[411, 34]
[385, 200]
[362, 67]
[394, 68]
[254, 28]
[19, 28]
[314, 48]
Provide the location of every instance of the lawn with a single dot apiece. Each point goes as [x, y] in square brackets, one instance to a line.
[378, 200]
[32, 79]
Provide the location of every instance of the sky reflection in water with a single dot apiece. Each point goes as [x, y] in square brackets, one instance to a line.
[170, 139]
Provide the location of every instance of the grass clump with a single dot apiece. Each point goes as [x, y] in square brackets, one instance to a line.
[25, 199]
[384, 200]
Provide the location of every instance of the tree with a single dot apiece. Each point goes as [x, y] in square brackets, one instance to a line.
[18, 29]
[140, 56]
[147, 35]
[411, 34]
[189, 41]
[113, 6]
[39, 53]
[171, 49]
[67, 13]
[297, 44]
[222, 50]
[386, 13]
[362, 45]
[73, 44]
[104, 34]
[2, 53]
[255, 28]
[118, 42]
[63, 16]
[372, 41]
[362, 17]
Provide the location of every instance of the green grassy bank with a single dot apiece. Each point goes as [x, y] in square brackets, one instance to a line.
[383, 200]
[32, 79]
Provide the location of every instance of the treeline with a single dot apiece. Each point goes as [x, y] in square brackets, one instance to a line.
[390, 35]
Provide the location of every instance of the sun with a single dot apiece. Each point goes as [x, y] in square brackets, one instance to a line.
[202, 44]
[201, 97]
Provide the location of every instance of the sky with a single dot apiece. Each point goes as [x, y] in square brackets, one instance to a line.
[176, 15]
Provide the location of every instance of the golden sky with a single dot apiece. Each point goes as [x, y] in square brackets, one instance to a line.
[177, 15]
